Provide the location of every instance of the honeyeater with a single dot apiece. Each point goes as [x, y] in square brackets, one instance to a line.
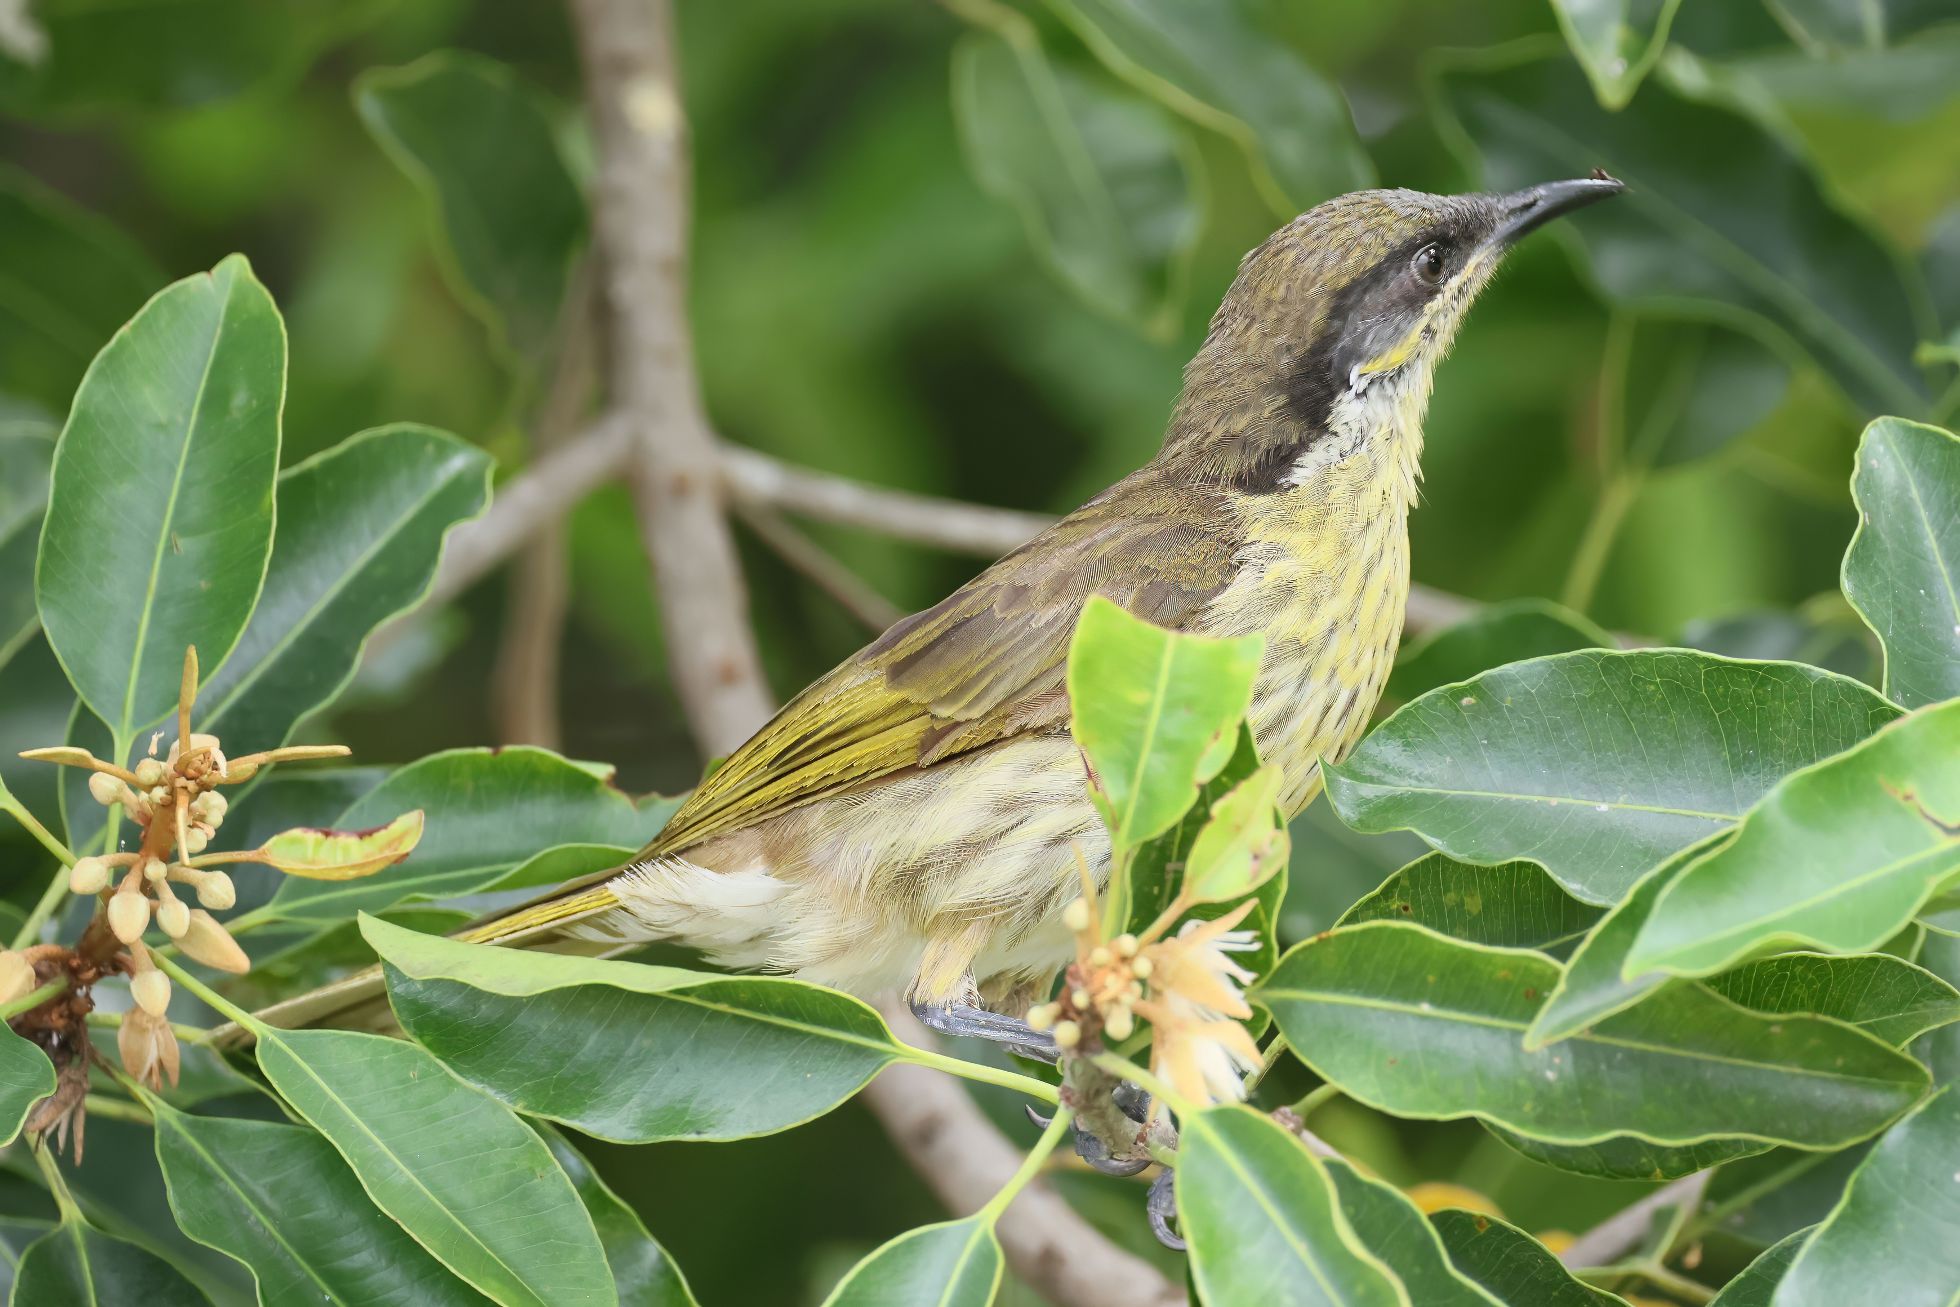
[909, 823]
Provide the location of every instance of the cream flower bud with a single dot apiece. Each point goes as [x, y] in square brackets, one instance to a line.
[149, 1047]
[151, 990]
[1076, 916]
[1120, 1024]
[88, 876]
[209, 808]
[1043, 1016]
[1141, 967]
[16, 975]
[1067, 1034]
[106, 788]
[194, 841]
[210, 943]
[215, 890]
[149, 773]
[154, 870]
[174, 916]
[129, 915]
[1125, 946]
[1079, 999]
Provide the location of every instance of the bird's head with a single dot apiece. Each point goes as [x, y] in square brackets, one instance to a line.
[1339, 320]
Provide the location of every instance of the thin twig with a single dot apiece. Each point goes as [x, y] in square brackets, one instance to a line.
[959, 1153]
[1622, 1232]
[821, 568]
[640, 212]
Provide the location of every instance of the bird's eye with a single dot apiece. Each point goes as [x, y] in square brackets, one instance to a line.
[1428, 264]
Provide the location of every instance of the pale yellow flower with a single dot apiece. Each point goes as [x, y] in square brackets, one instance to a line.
[148, 1046]
[1195, 1008]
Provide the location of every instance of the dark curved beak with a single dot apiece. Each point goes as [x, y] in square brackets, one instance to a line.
[1531, 208]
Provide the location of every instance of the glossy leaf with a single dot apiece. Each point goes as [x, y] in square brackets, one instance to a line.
[26, 1077]
[1423, 1026]
[160, 513]
[952, 1264]
[1242, 845]
[1263, 1220]
[76, 1265]
[1623, 1157]
[1597, 764]
[1215, 64]
[1691, 389]
[1512, 1265]
[315, 854]
[1838, 857]
[1940, 1049]
[1830, 27]
[1876, 992]
[1763, 1200]
[1394, 1229]
[279, 1199]
[1158, 864]
[26, 454]
[1156, 712]
[482, 150]
[1511, 905]
[1617, 42]
[1756, 1285]
[1689, 234]
[641, 1269]
[464, 1176]
[72, 280]
[1890, 1239]
[1500, 633]
[1098, 174]
[629, 1052]
[488, 813]
[1902, 572]
[361, 527]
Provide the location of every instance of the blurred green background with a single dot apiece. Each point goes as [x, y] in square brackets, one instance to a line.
[900, 275]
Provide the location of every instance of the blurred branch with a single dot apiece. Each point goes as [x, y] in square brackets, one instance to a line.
[819, 567]
[959, 1153]
[525, 678]
[640, 214]
[1624, 1231]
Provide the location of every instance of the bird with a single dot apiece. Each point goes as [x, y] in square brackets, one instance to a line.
[909, 825]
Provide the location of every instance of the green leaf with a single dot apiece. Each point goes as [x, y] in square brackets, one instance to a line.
[1624, 1157]
[1890, 1238]
[1617, 42]
[1940, 1049]
[1594, 985]
[1597, 764]
[1761, 1200]
[1156, 712]
[628, 1052]
[1242, 846]
[1157, 866]
[489, 811]
[26, 454]
[72, 279]
[315, 854]
[160, 514]
[644, 1274]
[361, 527]
[1885, 996]
[1103, 180]
[1837, 857]
[1832, 27]
[1691, 389]
[1511, 1264]
[26, 1077]
[1392, 1228]
[1215, 64]
[279, 1199]
[1510, 905]
[1500, 633]
[952, 1264]
[460, 1172]
[1757, 1284]
[1263, 1221]
[1902, 572]
[1419, 1025]
[483, 151]
[1688, 236]
[76, 1265]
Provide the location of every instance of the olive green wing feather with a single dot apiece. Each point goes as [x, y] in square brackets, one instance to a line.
[986, 663]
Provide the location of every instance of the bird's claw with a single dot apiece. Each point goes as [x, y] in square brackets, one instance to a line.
[1161, 1207]
[1095, 1152]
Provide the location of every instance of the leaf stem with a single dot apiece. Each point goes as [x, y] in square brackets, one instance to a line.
[30, 929]
[114, 1020]
[117, 1110]
[1315, 1098]
[212, 998]
[64, 1201]
[982, 1073]
[29, 1001]
[1123, 1069]
[1037, 1157]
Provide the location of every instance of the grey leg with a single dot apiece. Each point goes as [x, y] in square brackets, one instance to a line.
[978, 1023]
[1161, 1206]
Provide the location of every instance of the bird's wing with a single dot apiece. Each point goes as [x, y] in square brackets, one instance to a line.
[986, 663]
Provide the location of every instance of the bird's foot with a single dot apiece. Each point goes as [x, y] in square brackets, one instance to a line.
[1011, 1033]
[1161, 1207]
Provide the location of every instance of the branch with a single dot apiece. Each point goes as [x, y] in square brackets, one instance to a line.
[640, 215]
[1623, 1231]
[959, 1153]
[818, 566]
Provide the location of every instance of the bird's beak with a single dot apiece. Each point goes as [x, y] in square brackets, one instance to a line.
[1533, 207]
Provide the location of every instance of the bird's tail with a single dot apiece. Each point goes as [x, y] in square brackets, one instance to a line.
[360, 1001]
